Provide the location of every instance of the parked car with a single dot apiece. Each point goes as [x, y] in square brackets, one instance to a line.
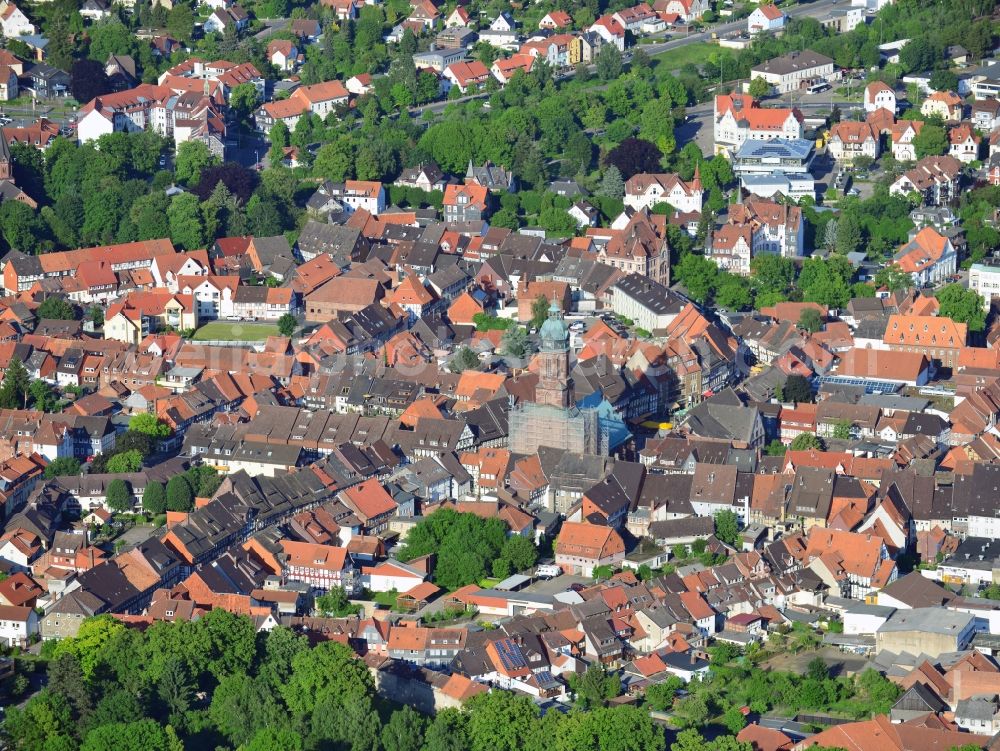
[548, 571]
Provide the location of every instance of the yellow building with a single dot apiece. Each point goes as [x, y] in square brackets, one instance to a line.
[142, 313]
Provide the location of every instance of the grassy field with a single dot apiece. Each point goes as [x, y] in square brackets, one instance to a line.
[675, 59]
[235, 331]
[386, 599]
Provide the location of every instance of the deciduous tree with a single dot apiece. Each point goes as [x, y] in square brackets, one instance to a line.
[119, 497]
[180, 496]
[125, 461]
[633, 156]
[759, 88]
[57, 308]
[193, 157]
[327, 671]
[88, 80]
[154, 498]
[64, 466]
[930, 141]
[806, 442]
[609, 63]
[287, 324]
[727, 527]
[797, 389]
[151, 425]
[962, 305]
[810, 320]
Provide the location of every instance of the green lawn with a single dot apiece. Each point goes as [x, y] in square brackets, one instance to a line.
[235, 331]
[675, 59]
[385, 599]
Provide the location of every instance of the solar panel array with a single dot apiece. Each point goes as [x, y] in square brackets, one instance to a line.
[870, 386]
[510, 654]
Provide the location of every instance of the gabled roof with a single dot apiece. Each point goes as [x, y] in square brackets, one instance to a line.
[369, 499]
[927, 331]
[771, 11]
[588, 541]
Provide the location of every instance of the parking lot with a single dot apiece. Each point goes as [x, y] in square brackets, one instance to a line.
[556, 585]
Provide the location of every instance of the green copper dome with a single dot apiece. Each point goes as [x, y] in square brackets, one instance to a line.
[554, 330]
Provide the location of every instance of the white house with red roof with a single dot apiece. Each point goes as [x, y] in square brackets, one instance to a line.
[964, 143]
[360, 84]
[123, 111]
[457, 18]
[901, 136]
[766, 17]
[167, 269]
[364, 194]
[554, 49]
[213, 295]
[391, 575]
[687, 10]
[557, 19]
[283, 54]
[13, 22]
[425, 13]
[610, 30]
[640, 19]
[504, 68]
[731, 248]
[927, 257]
[850, 140]
[465, 74]
[224, 18]
[321, 566]
[644, 191]
[322, 98]
[739, 118]
[880, 96]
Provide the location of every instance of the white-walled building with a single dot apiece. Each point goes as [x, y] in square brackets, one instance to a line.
[879, 95]
[928, 257]
[984, 279]
[738, 118]
[644, 191]
[766, 17]
[795, 70]
[17, 625]
[850, 140]
[13, 22]
[391, 575]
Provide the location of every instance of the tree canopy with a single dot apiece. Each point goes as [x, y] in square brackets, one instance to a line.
[466, 546]
[962, 305]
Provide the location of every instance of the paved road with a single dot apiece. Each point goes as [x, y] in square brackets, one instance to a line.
[812, 10]
[809, 10]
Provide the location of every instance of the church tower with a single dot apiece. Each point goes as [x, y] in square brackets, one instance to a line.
[6, 173]
[553, 386]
